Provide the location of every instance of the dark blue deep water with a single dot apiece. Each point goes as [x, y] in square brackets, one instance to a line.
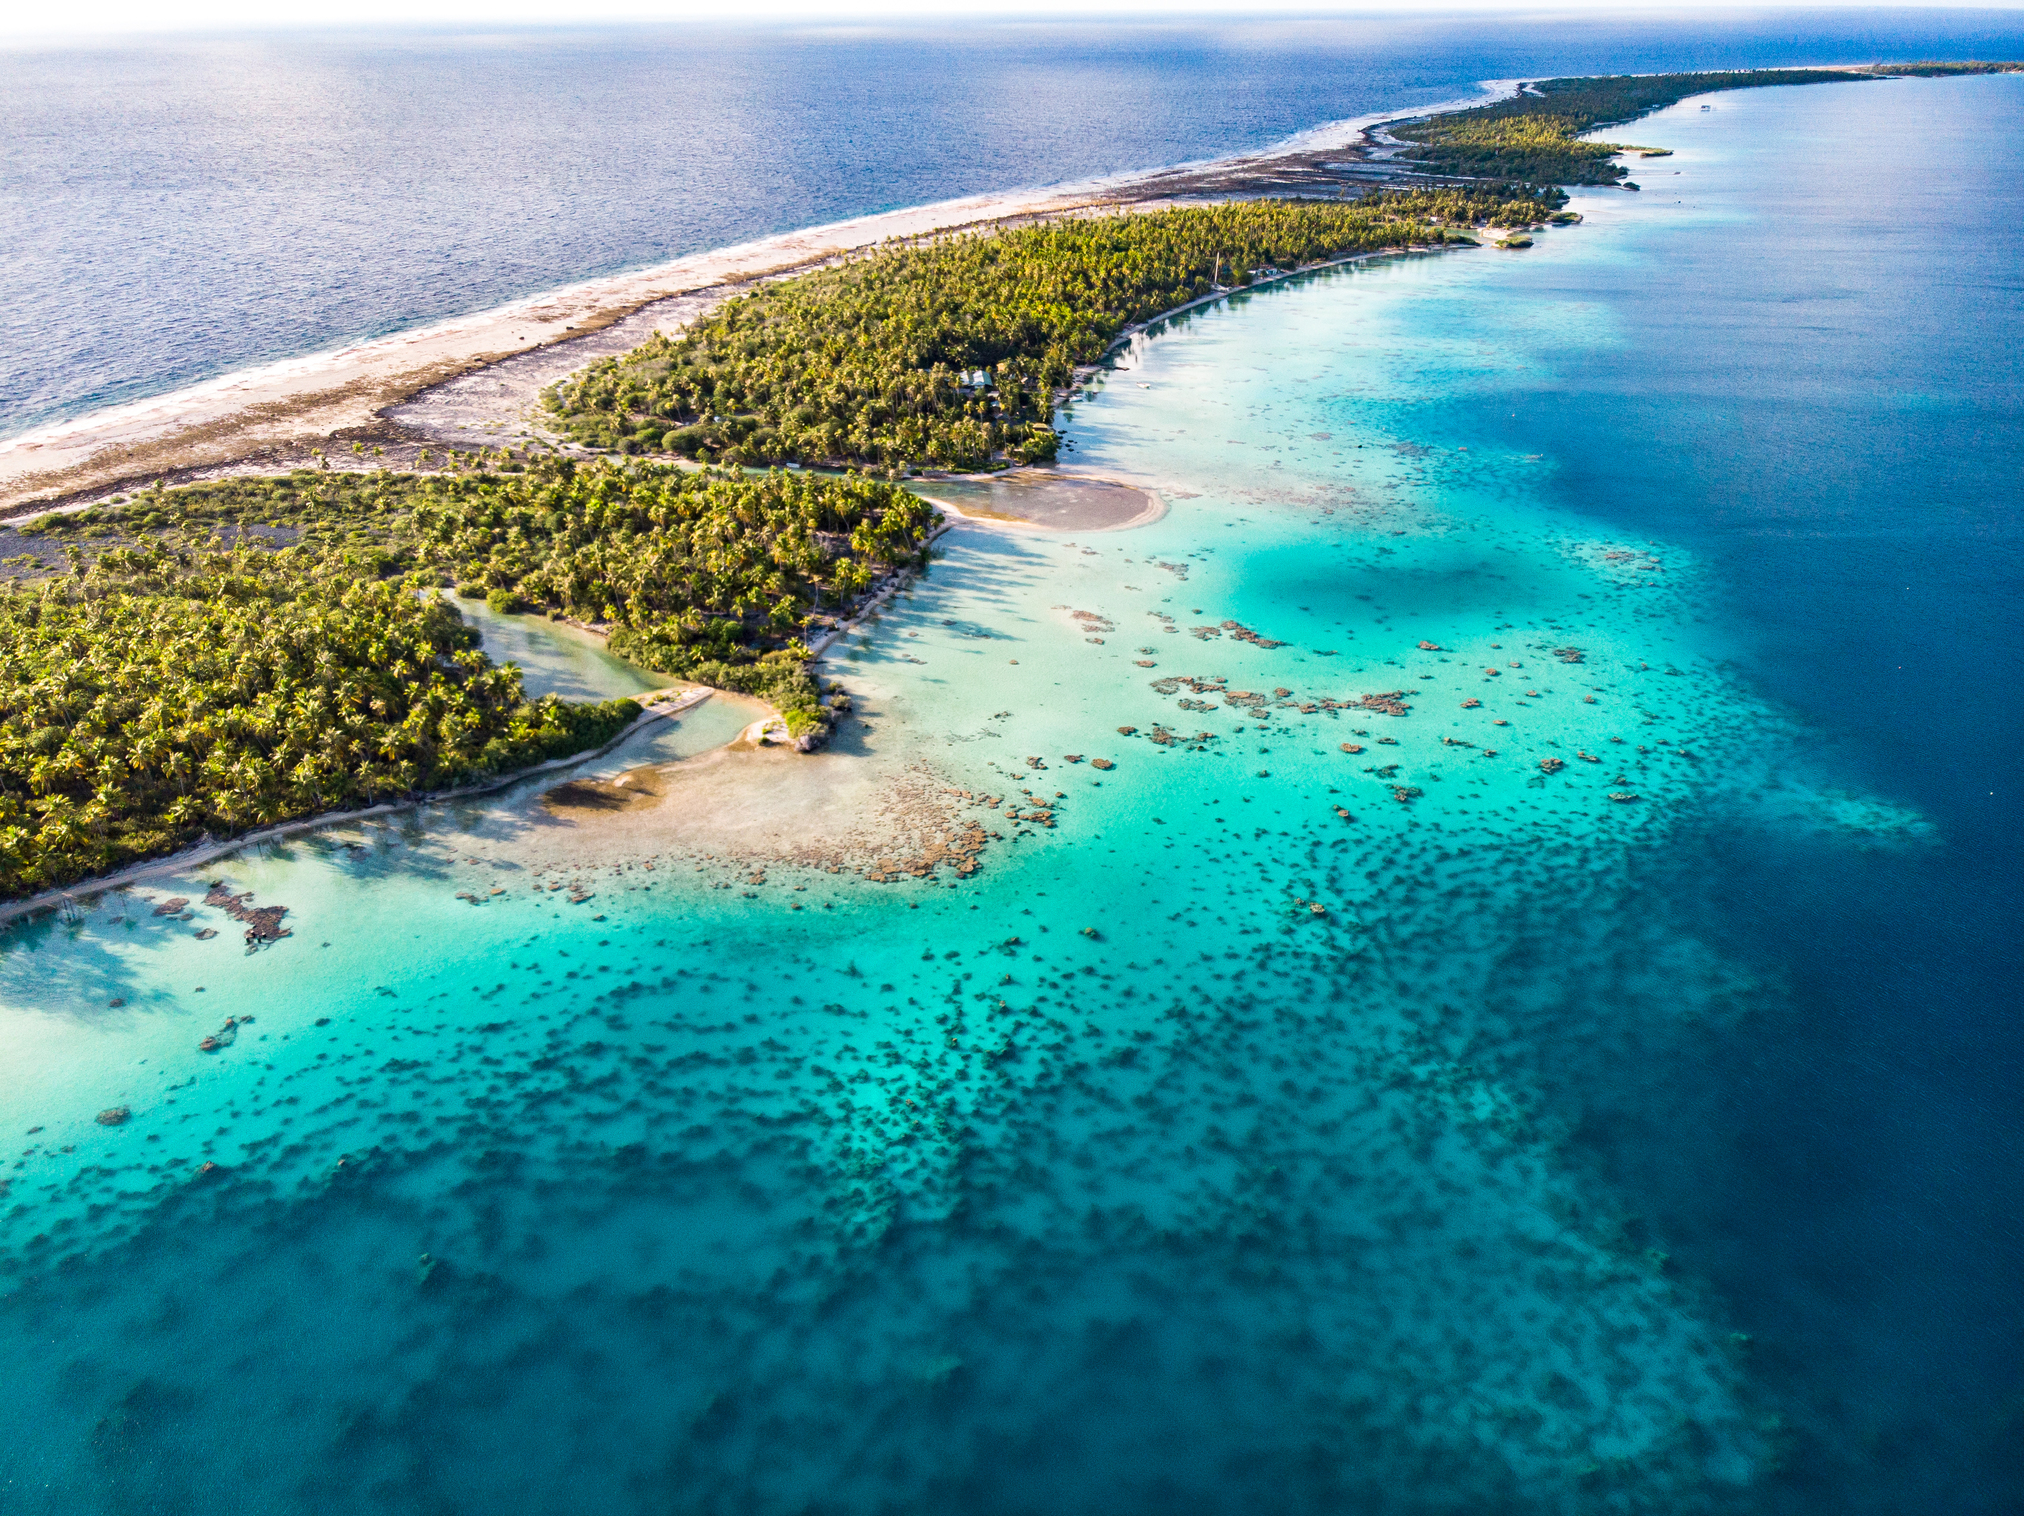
[1581, 1158]
[180, 210]
[1825, 398]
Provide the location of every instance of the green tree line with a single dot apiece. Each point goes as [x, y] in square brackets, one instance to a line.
[1535, 135]
[950, 352]
[235, 654]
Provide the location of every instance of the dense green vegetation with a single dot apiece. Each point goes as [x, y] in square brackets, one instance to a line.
[950, 352]
[1935, 69]
[225, 656]
[1535, 135]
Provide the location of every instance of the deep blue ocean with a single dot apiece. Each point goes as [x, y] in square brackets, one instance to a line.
[1577, 1157]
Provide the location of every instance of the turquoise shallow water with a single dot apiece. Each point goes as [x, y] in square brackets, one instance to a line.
[554, 659]
[1118, 1176]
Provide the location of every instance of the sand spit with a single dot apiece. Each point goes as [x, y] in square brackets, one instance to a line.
[1053, 500]
[472, 379]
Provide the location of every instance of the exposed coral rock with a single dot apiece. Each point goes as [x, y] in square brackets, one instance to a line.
[224, 1037]
[263, 922]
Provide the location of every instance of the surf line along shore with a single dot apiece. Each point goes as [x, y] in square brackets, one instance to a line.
[656, 705]
[274, 416]
[441, 416]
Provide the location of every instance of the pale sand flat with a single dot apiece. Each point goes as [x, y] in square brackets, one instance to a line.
[754, 806]
[1051, 500]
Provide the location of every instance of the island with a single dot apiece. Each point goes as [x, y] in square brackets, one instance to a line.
[185, 661]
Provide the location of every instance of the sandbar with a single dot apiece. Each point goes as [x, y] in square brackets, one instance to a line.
[1049, 499]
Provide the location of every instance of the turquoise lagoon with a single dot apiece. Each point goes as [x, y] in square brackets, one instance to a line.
[555, 658]
[1264, 1134]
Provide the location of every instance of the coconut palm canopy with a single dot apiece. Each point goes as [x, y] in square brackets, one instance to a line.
[949, 352]
[229, 655]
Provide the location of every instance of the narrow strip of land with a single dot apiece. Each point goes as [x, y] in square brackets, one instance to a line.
[416, 390]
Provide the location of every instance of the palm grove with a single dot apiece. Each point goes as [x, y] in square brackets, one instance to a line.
[217, 658]
[949, 353]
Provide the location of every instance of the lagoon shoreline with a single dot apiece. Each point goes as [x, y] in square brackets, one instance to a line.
[653, 708]
[1151, 508]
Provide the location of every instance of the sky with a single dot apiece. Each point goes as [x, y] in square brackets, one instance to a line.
[121, 17]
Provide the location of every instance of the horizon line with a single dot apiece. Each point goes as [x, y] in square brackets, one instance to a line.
[224, 20]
